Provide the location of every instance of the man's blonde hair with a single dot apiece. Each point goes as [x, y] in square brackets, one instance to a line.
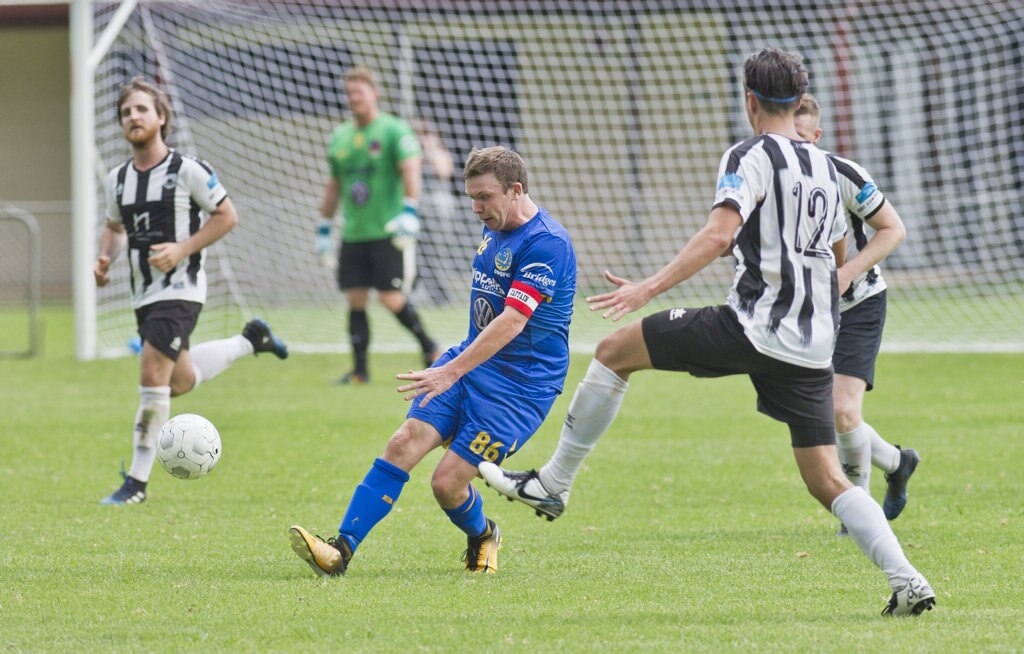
[506, 164]
[808, 107]
[361, 74]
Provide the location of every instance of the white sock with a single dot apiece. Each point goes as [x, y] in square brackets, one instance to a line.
[154, 410]
[855, 454]
[868, 527]
[211, 358]
[592, 410]
[883, 454]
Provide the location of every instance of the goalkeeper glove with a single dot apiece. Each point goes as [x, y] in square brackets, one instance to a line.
[405, 226]
[323, 243]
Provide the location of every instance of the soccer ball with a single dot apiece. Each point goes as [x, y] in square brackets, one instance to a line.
[188, 446]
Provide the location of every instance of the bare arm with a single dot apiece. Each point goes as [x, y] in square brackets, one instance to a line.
[329, 203]
[889, 233]
[433, 381]
[112, 243]
[412, 170]
[839, 251]
[439, 156]
[167, 256]
[705, 246]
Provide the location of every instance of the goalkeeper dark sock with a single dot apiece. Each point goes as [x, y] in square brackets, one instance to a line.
[411, 321]
[372, 501]
[469, 517]
[359, 333]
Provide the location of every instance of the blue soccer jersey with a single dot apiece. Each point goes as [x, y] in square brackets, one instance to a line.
[532, 269]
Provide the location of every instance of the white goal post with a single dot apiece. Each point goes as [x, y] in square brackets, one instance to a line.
[621, 110]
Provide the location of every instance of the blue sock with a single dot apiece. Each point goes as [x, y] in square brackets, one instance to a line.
[470, 516]
[372, 501]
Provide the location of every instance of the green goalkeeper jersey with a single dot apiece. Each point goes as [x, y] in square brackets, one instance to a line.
[365, 161]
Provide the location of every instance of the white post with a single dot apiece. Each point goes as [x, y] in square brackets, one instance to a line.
[83, 180]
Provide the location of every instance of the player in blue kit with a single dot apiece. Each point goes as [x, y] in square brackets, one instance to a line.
[484, 398]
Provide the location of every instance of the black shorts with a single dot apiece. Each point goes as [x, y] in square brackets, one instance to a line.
[859, 339]
[168, 325]
[371, 264]
[709, 342]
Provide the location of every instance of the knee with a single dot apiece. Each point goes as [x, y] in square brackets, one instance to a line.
[847, 414]
[827, 486]
[607, 352]
[393, 300]
[399, 447]
[180, 387]
[448, 490]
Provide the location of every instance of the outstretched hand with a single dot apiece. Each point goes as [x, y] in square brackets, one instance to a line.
[628, 297]
[429, 383]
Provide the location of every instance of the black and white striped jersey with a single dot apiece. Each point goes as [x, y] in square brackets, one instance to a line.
[784, 289]
[861, 200]
[167, 203]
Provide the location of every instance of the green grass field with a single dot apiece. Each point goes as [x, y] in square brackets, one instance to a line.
[688, 530]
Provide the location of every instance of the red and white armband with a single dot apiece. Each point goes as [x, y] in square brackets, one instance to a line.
[523, 298]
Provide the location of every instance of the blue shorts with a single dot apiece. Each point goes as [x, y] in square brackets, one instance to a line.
[485, 416]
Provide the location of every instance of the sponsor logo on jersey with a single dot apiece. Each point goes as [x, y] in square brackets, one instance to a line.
[141, 219]
[535, 272]
[730, 180]
[866, 192]
[483, 313]
[119, 190]
[676, 313]
[484, 282]
[483, 245]
[213, 181]
[171, 181]
[503, 259]
[360, 192]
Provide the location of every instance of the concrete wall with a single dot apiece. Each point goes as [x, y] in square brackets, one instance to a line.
[35, 172]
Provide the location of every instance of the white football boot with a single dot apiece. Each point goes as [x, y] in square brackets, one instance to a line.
[525, 487]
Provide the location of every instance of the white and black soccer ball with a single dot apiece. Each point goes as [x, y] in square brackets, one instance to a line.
[188, 446]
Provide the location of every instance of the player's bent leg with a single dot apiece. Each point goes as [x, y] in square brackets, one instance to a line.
[819, 466]
[594, 407]
[410, 443]
[624, 351]
[185, 375]
[847, 400]
[464, 506]
[820, 470]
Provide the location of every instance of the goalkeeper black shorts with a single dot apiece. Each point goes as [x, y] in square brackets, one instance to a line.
[371, 264]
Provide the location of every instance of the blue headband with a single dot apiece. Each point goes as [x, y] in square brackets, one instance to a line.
[759, 96]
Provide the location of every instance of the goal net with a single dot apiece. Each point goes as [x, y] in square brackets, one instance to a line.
[621, 110]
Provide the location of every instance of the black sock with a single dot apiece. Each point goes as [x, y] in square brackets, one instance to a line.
[359, 333]
[411, 320]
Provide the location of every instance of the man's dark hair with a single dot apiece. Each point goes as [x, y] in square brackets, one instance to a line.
[776, 78]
